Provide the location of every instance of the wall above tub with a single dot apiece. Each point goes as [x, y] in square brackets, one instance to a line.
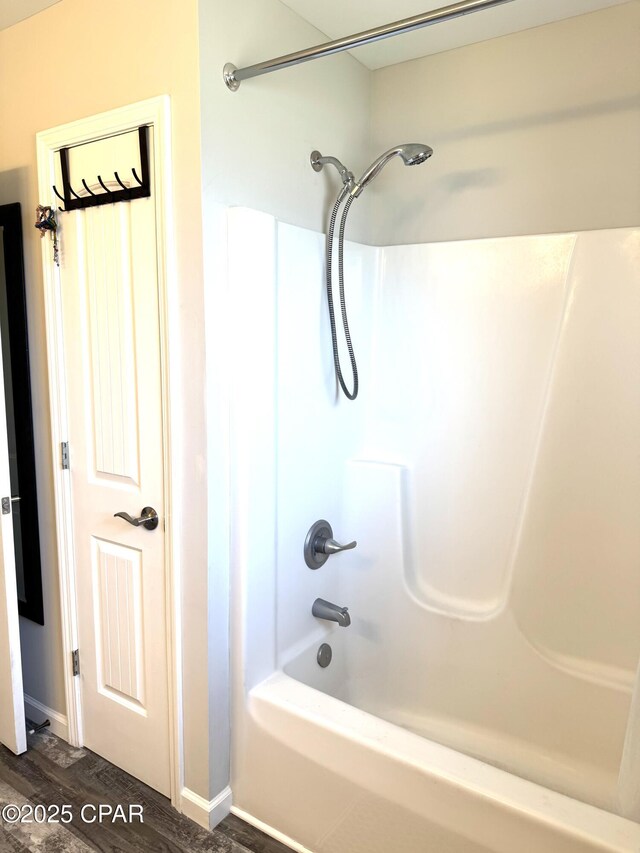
[535, 132]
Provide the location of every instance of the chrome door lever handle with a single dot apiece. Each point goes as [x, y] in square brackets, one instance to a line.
[148, 518]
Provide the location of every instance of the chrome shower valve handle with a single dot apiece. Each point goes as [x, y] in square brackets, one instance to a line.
[319, 544]
[330, 546]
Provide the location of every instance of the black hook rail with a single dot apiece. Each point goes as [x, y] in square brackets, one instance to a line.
[73, 201]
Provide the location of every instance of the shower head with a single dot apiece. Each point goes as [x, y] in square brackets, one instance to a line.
[412, 153]
[415, 153]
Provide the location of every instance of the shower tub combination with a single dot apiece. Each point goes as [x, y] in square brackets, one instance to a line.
[482, 698]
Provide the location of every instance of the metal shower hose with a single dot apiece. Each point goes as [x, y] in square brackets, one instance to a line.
[351, 395]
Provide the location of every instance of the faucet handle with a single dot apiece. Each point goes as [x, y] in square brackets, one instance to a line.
[330, 546]
[320, 544]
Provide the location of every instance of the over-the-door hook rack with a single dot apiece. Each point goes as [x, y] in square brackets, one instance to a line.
[73, 201]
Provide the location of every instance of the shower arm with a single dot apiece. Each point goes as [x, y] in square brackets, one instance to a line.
[234, 76]
[318, 161]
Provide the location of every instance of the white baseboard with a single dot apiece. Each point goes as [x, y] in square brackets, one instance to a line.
[269, 830]
[38, 712]
[206, 813]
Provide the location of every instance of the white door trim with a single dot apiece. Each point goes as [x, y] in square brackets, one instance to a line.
[156, 112]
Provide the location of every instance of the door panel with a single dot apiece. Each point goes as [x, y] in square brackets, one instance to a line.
[112, 357]
[111, 384]
[117, 585]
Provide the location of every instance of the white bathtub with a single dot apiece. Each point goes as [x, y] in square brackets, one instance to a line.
[491, 642]
[334, 779]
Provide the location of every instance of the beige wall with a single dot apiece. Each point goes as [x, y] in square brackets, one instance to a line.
[534, 132]
[76, 59]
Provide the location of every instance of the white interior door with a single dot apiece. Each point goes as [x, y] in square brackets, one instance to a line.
[109, 287]
[12, 724]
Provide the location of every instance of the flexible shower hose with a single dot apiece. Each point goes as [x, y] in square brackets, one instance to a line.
[351, 395]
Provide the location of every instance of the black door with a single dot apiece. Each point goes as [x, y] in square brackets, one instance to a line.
[17, 389]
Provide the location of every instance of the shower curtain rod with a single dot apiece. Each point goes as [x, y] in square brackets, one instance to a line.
[234, 76]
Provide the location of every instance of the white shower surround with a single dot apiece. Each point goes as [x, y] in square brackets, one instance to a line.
[480, 377]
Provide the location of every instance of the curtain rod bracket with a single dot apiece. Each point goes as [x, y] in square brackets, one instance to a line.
[228, 72]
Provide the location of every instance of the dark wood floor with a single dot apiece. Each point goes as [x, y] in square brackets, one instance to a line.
[53, 773]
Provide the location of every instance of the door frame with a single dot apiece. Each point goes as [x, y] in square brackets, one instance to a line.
[155, 112]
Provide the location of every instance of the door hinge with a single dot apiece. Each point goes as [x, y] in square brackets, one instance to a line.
[64, 454]
[75, 661]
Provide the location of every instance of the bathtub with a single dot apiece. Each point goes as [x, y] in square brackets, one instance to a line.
[335, 779]
[480, 700]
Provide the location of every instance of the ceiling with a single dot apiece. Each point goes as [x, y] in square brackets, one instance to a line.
[13, 11]
[339, 18]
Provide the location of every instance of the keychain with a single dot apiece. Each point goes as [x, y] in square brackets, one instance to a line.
[46, 221]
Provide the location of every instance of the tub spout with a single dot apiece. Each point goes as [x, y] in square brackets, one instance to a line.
[326, 610]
